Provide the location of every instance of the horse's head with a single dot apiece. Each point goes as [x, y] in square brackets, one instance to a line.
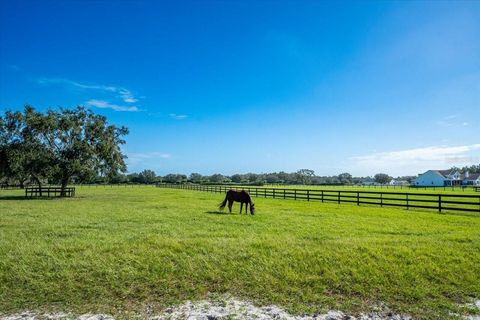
[252, 209]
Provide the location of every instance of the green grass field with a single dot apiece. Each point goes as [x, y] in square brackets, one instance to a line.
[116, 249]
[435, 190]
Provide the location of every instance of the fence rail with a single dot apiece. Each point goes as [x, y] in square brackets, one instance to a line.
[49, 192]
[384, 186]
[10, 186]
[407, 200]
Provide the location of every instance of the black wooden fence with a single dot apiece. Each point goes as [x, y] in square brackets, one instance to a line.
[49, 192]
[407, 200]
[10, 186]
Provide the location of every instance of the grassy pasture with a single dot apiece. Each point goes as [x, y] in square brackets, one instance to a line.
[116, 249]
[435, 190]
[451, 202]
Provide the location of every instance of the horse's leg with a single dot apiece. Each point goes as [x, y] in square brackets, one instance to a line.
[241, 207]
[230, 204]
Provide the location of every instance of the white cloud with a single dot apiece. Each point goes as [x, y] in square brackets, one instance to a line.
[150, 155]
[122, 93]
[13, 67]
[138, 158]
[454, 120]
[106, 105]
[178, 116]
[413, 161]
[127, 96]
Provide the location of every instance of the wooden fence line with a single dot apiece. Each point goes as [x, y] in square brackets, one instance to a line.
[114, 185]
[407, 200]
[49, 192]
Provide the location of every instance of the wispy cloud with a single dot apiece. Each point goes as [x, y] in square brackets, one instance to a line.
[135, 158]
[127, 96]
[122, 93]
[411, 161]
[106, 105]
[150, 155]
[47, 81]
[178, 116]
[454, 120]
[13, 67]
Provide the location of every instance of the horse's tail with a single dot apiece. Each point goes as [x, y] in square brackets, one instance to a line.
[222, 205]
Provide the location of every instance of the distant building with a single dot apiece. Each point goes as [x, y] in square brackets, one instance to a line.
[395, 182]
[442, 178]
[439, 178]
[472, 179]
[368, 182]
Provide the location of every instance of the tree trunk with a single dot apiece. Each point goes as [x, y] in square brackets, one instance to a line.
[64, 186]
[39, 186]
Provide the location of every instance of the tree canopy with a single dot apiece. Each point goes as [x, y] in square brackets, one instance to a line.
[59, 145]
[382, 178]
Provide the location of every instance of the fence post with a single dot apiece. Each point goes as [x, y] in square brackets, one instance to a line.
[256, 192]
[381, 199]
[322, 196]
[439, 203]
[308, 195]
[283, 193]
[406, 198]
[338, 197]
[295, 194]
[358, 198]
[273, 193]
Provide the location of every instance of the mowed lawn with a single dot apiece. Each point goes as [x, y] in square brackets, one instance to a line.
[117, 249]
[468, 190]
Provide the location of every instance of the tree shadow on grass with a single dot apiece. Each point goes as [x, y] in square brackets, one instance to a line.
[16, 198]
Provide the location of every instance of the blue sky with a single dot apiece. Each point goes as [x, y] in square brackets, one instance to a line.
[258, 86]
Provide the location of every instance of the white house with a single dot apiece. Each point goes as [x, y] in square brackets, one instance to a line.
[394, 182]
[439, 178]
[369, 182]
[472, 179]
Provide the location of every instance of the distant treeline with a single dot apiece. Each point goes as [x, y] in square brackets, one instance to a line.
[300, 177]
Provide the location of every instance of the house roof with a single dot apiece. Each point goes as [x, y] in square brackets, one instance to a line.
[446, 172]
[473, 176]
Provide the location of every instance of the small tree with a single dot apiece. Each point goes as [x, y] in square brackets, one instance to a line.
[305, 175]
[133, 178]
[345, 178]
[216, 178]
[382, 178]
[118, 178]
[147, 176]
[237, 178]
[175, 178]
[195, 177]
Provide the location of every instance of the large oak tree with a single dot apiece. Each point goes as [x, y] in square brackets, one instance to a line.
[61, 144]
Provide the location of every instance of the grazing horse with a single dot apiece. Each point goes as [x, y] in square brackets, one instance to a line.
[238, 196]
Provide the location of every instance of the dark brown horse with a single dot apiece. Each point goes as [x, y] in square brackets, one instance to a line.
[238, 196]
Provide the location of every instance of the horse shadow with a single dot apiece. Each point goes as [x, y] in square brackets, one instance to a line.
[218, 212]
